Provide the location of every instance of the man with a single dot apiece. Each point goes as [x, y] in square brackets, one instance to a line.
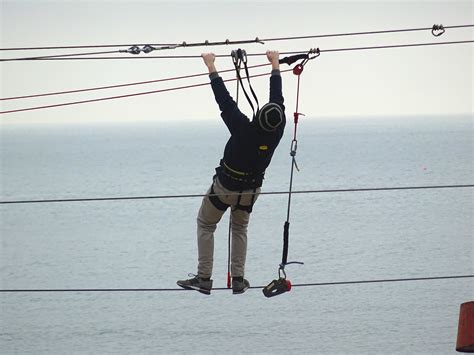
[238, 178]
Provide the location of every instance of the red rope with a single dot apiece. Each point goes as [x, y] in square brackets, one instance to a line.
[120, 96]
[297, 70]
[296, 114]
[118, 85]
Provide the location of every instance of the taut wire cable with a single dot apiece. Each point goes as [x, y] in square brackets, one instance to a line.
[257, 40]
[153, 197]
[312, 284]
[249, 54]
[202, 84]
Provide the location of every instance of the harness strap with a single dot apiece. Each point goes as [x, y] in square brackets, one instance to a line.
[248, 208]
[216, 201]
[240, 56]
[238, 206]
[250, 85]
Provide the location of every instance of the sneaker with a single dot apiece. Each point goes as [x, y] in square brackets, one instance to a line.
[196, 283]
[239, 285]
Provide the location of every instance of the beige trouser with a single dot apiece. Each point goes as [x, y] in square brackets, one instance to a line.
[207, 220]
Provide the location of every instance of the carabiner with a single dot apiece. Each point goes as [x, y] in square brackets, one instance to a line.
[242, 55]
[235, 58]
[281, 270]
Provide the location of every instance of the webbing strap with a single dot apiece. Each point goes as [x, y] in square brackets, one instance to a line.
[250, 86]
[215, 200]
[240, 56]
[248, 208]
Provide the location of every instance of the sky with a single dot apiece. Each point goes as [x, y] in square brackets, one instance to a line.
[435, 80]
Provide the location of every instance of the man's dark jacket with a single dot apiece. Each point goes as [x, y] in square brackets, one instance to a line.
[249, 150]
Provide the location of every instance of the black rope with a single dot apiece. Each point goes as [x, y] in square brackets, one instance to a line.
[238, 57]
[250, 41]
[262, 193]
[249, 54]
[314, 284]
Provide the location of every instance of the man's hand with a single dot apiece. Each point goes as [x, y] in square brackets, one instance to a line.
[274, 57]
[209, 59]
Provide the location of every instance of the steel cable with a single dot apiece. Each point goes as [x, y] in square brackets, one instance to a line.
[313, 284]
[153, 197]
[342, 34]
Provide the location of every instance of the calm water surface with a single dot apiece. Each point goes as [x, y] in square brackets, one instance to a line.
[151, 243]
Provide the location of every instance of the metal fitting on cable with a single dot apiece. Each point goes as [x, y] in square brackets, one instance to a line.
[437, 28]
[134, 50]
[294, 146]
[147, 48]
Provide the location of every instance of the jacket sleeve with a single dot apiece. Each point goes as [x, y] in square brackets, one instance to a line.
[230, 113]
[276, 95]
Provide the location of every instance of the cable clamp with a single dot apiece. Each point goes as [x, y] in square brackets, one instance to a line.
[437, 30]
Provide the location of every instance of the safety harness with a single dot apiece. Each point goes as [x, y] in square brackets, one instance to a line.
[223, 206]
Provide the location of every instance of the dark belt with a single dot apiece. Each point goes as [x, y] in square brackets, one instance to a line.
[249, 178]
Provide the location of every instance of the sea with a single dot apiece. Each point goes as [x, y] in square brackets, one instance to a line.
[150, 243]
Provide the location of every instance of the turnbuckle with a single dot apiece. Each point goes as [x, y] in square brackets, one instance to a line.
[146, 49]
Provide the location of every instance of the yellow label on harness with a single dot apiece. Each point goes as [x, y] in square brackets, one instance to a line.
[263, 147]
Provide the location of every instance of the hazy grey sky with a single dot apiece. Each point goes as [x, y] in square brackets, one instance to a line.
[422, 80]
